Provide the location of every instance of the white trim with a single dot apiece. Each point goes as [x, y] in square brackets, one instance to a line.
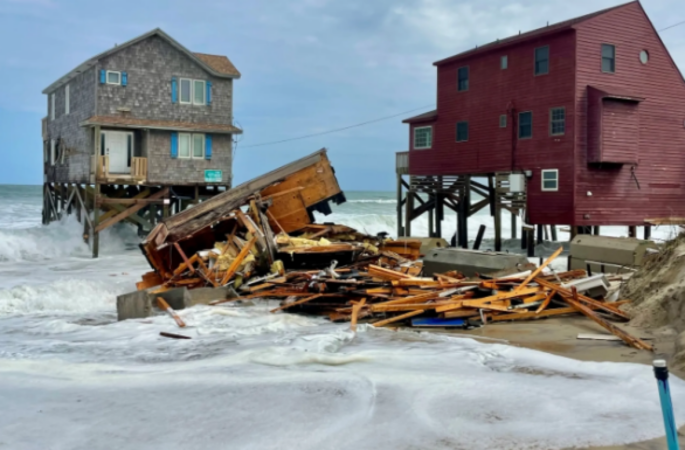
[204, 93]
[107, 77]
[192, 100]
[66, 100]
[430, 143]
[53, 156]
[52, 106]
[542, 180]
[191, 141]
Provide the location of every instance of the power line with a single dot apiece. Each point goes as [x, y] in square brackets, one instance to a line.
[337, 129]
[672, 26]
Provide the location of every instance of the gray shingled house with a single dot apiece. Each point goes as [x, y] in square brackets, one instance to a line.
[148, 114]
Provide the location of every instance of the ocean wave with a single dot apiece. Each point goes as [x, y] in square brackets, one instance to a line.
[380, 200]
[60, 239]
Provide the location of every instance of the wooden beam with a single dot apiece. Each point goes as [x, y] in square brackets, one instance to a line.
[355, 313]
[237, 261]
[397, 318]
[127, 212]
[537, 271]
[298, 302]
[185, 258]
[128, 201]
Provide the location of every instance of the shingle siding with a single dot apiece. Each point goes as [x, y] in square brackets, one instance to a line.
[161, 167]
[77, 139]
[150, 66]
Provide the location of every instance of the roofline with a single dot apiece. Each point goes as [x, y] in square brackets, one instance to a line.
[530, 35]
[90, 123]
[429, 116]
[157, 31]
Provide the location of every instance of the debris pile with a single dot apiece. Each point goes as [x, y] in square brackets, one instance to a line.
[260, 239]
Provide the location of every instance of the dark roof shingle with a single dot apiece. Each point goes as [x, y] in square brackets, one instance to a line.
[133, 122]
[220, 63]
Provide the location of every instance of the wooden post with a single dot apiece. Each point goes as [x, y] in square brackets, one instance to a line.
[479, 237]
[530, 240]
[431, 211]
[524, 238]
[197, 194]
[632, 231]
[409, 209]
[165, 208]
[439, 214]
[513, 225]
[596, 230]
[96, 216]
[539, 240]
[647, 232]
[553, 231]
[574, 232]
[498, 226]
[546, 230]
[400, 231]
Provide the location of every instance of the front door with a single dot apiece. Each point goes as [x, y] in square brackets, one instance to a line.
[119, 148]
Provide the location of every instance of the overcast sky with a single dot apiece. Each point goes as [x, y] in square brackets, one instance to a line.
[307, 66]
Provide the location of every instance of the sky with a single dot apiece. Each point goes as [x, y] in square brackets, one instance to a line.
[308, 66]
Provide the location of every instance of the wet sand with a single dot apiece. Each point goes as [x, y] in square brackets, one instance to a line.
[559, 336]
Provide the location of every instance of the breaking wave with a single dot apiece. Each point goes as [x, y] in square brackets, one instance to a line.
[60, 239]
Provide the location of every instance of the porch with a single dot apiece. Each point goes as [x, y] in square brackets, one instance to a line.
[137, 174]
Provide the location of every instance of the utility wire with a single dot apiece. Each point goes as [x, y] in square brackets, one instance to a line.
[672, 26]
[337, 129]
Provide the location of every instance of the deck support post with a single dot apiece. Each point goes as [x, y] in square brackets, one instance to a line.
[632, 231]
[540, 234]
[553, 232]
[400, 231]
[409, 209]
[95, 235]
[431, 211]
[439, 214]
[513, 225]
[647, 232]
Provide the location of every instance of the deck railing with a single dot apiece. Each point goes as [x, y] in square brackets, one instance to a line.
[402, 163]
[138, 169]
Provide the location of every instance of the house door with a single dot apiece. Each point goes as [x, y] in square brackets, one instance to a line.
[119, 148]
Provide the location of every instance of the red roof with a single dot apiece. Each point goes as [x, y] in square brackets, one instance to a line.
[537, 33]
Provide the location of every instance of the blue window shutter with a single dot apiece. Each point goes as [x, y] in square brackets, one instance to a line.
[209, 92]
[103, 75]
[174, 90]
[124, 78]
[174, 144]
[208, 146]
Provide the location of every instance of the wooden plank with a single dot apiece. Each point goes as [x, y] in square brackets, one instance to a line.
[295, 303]
[610, 308]
[355, 313]
[397, 318]
[164, 306]
[627, 338]
[547, 301]
[237, 261]
[185, 259]
[478, 303]
[537, 271]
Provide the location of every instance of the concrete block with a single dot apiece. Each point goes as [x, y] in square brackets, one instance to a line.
[620, 251]
[203, 296]
[141, 304]
[470, 262]
[134, 305]
[427, 244]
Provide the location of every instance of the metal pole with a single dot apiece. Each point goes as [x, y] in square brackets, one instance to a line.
[661, 375]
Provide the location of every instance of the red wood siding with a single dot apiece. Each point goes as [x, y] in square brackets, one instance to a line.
[493, 92]
[620, 131]
[660, 170]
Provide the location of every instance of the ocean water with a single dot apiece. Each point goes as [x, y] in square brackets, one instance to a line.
[72, 377]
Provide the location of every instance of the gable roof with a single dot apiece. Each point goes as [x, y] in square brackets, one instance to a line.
[219, 66]
[534, 34]
[427, 116]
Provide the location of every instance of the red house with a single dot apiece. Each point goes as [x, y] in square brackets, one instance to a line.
[590, 110]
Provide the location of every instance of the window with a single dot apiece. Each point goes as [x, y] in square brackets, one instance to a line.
[644, 56]
[113, 77]
[52, 106]
[608, 58]
[462, 131]
[503, 121]
[525, 125]
[557, 121]
[550, 180]
[66, 99]
[463, 79]
[542, 60]
[198, 145]
[191, 145]
[504, 62]
[193, 91]
[423, 137]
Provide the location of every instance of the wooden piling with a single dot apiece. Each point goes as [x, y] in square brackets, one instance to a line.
[632, 231]
[95, 235]
[513, 225]
[540, 234]
[553, 231]
[596, 230]
[400, 231]
[647, 232]
[479, 237]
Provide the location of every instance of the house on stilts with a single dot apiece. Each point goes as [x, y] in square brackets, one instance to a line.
[579, 123]
[138, 133]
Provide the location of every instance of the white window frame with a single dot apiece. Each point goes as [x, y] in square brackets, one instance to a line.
[191, 153]
[430, 143]
[192, 92]
[53, 151]
[67, 106]
[556, 179]
[504, 62]
[107, 77]
[52, 106]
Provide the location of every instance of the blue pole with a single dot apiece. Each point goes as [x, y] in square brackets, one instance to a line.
[661, 375]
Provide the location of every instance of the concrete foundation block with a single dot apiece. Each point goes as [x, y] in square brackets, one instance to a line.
[470, 262]
[134, 305]
[141, 304]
